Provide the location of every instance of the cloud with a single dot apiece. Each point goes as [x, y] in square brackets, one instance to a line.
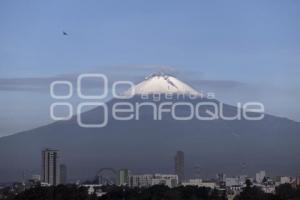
[115, 73]
[153, 67]
[25, 84]
[40, 84]
[34, 84]
[217, 84]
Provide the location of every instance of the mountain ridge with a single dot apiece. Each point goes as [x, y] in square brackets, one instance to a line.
[117, 144]
[148, 145]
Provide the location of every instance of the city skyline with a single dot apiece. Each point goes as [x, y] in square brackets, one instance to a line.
[54, 173]
[229, 187]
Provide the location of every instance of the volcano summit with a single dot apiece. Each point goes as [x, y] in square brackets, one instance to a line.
[163, 84]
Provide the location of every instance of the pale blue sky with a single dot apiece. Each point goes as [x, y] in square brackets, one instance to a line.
[253, 44]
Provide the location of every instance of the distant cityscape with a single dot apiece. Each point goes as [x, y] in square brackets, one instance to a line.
[54, 173]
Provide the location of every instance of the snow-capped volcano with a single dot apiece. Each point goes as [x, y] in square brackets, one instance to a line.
[163, 84]
[143, 142]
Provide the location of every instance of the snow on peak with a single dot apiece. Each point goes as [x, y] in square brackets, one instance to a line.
[162, 83]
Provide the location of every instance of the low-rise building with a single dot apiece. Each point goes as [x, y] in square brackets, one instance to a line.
[170, 180]
[232, 181]
[236, 181]
[200, 183]
[285, 179]
[143, 180]
[147, 180]
[94, 189]
[268, 188]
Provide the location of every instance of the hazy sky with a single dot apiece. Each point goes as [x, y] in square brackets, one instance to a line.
[242, 50]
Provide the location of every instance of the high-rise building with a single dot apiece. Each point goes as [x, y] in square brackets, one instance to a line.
[221, 177]
[123, 177]
[50, 166]
[63, 174]
[259, 177]
[179, 165]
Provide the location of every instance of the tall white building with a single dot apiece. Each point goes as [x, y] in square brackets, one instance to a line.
[50, 166]
[123, 177]
[260, 176]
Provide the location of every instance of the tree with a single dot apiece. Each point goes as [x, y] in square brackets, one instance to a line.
[285, 191]
[253, 193]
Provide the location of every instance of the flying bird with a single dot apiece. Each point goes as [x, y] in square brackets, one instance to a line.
[65, 33]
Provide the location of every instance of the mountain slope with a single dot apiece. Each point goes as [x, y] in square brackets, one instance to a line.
[147, 145]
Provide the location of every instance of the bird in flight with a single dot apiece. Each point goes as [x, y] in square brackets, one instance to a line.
[65, 33]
